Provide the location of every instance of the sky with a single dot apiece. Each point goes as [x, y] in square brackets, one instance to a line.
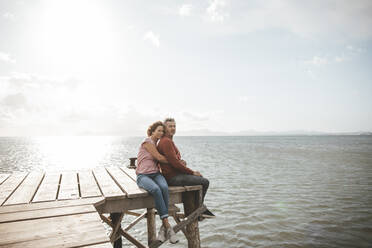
[113, 67]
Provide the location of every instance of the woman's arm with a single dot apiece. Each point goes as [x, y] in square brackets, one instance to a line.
[154, 152]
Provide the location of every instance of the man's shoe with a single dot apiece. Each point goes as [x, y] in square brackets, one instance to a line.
[161, 234]
[172, 235]
[208, 214]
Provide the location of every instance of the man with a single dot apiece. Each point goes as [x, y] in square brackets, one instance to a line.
[175, 171]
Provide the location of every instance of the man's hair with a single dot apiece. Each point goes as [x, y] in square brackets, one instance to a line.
[153, 127]
[169, 119]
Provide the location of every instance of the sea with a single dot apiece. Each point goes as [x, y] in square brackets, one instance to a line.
[266, 191]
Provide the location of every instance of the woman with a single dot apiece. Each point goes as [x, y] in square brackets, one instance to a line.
[150, 178]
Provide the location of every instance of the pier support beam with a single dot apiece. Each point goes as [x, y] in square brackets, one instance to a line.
[151, 226]
[191, 201]
[116, 220]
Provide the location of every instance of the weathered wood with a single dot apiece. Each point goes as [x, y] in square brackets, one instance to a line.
[135, 221]
[48, 205]
[193, 187]
[124, 204]
[190, 204]
[133, 213]
[65, 231]
[10, 185]
[48, 188]
[190, 218]
[26, 190]
[69, 188]
[112, 184]
[88, 185]
[44, 213]
[123, 233]
[107, 186]
[151, 226]
[130, 172]
[131, 239]
[116, 225]
[126, 183]
[3, 177]
[103, 245]
[177, 220]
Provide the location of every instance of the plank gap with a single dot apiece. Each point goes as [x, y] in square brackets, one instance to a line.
[14, 189]
[37, 188]
[78, 181]
[99, 186]
[59, 185]
[117, 183]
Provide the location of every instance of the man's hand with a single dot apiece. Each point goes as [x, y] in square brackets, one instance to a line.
[197, 173]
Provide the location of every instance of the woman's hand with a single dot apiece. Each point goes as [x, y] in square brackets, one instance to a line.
[151, 148]
[197, 173]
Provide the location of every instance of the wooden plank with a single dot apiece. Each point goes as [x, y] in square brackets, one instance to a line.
[88, 185]
[114, 205]
[130, 172]
[69, 188]
[44, 213]
[193, 187]
[106, 184]
[3, 177]
[64, 231]
[48, 187]
[47, 205]
[126, 183]
[10, 185]
[26, 190]
[104, 245]
[175, 189]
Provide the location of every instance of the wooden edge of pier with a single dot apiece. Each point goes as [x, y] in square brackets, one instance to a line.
[66, 209]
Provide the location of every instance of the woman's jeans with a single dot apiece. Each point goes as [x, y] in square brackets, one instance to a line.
[156, 185]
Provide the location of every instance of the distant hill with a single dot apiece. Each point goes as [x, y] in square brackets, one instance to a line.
[206, 132]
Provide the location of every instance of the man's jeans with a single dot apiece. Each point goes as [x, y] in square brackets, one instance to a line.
[156, 185]
[188, 180]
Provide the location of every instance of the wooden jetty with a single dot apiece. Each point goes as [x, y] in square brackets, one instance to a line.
[66, 209]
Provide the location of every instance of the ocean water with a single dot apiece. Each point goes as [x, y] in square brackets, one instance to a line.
[267, 191]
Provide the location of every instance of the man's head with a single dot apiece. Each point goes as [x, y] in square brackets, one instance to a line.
[170, 127]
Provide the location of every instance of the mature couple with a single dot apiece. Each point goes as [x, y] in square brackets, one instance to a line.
[159, 147]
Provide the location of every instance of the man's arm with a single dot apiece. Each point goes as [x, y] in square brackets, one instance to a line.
[171, 156]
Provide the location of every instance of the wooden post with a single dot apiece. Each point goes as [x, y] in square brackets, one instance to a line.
[151, 226]
[115, 217]
[191, 201]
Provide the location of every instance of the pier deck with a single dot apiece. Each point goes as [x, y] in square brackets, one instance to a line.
[66, 209]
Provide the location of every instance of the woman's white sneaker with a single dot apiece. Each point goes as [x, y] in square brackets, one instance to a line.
[161, 234]
[172, 236]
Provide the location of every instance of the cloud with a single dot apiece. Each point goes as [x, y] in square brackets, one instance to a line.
[216, 11]
[185, 10]
[8, 16]
[196, 116]
[153, 38]
[354, 49]
[39, 105]
[25, 81]
[346, 55]
[317, 61]
[336, 19]
[243, 99]
[7, 58]
[14, 101]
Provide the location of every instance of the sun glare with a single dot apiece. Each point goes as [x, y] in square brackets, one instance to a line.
[70, 153]
[77, 34]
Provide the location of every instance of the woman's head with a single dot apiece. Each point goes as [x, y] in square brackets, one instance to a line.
[156, 129]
